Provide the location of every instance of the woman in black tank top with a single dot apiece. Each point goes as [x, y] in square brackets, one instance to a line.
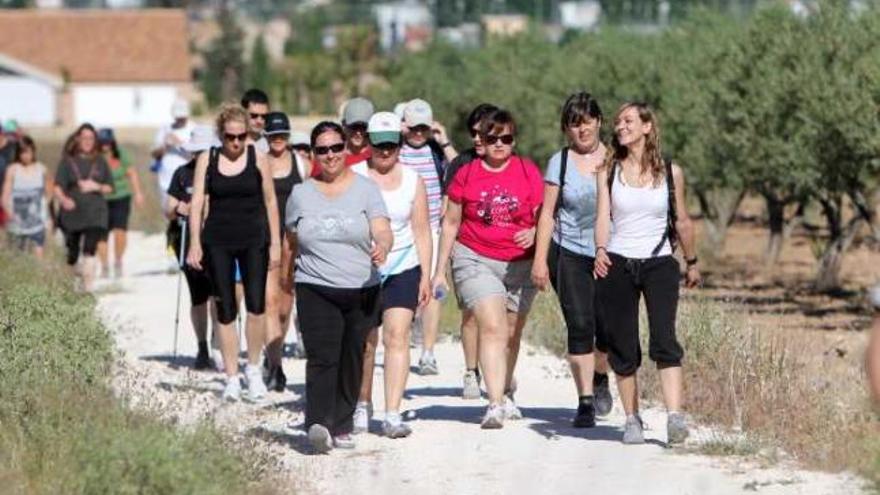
[235, 198]
[279, 283]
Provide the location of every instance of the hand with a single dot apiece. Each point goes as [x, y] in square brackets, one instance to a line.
[540, 275]
[439, 280]
[425, 292]
[194, 256]
[602, 264]
[139, 200]
[172, 141]
[88, 185]
[439, 133]
[274, 256]
[693, 278]
[525, 238]
[67, 204]
[378, 254]
[183, 209]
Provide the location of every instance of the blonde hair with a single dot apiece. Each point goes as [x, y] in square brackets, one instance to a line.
[232, 112]
[652, 159]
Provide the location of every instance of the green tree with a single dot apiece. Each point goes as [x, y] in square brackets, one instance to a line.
[224, 66]
[260, 72]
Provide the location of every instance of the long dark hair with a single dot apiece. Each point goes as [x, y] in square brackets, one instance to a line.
[71, 146]
[25, 142]
[114, 146]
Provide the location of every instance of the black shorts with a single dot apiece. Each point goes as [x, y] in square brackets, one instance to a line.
[85, 241]
[572, 277]
[118, 211]
[402, 290]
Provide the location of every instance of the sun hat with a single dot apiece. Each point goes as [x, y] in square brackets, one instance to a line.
[276, 123]
[357, 110]
[418, 112]
[384, 127]
[202, 138]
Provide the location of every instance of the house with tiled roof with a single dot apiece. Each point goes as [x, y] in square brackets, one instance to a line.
[114, 68]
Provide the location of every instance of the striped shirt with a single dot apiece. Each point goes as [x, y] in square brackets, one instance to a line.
[422, 161]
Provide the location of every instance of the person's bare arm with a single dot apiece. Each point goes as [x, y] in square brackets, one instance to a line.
[135, 182]
[546, 222]
[442, 139]
[603, 224]
[421, 226]
[448, 234]
[196, 209]
[383, 238]
[271, 203]
[684, 227]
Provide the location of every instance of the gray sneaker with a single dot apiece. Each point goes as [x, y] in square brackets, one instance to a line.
[361, 418]
[494, 418]
[319, 437]
[602, 395]
[471, 387]
[232, 391]
[676, 428]
[633, 431]
[256, 386]
[511, 411]
[344, 441]
[428, 365]
[396, 429]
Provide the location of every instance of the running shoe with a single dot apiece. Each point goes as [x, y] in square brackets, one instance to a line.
[394, 427]
[232, 391]
[217, 357]
[602, 395]
[511, 412]
[320, 439]
[633, 430]
[344, 441]
[586, 416]
[256, 388]
[428, 365]
[203, 360]
[363, 412]
[494, 417]
[676, 428]
[471, 387]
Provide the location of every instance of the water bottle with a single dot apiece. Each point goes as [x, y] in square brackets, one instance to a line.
[440, 292]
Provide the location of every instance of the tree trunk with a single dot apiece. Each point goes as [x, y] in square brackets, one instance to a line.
[776, 224]
[719, 210]
[828, 274]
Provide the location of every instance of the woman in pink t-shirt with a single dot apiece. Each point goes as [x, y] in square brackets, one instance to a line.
[489, 232]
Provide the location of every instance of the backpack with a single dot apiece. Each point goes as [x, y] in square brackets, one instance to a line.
[439, 164]
[671, 215]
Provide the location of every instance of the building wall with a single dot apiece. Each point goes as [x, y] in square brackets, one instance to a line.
[29, 101]
[125, 105]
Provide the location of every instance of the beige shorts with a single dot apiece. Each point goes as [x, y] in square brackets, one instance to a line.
[477, 277]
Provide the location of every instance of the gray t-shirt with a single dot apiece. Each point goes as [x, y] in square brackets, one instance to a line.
[577, 215]
[333, 235]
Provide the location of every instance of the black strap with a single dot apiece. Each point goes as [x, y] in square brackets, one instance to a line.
[671, 216]
[563, 168]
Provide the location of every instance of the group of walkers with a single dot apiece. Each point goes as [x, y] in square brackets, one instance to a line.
[361, 223]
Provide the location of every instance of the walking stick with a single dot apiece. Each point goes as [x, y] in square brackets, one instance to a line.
[180, 261]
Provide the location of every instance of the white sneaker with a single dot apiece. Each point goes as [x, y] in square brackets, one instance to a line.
[510, 410]
[494, 417]
[363, 412]
[232, 392]
[394, 427]
[217, 357]
[471, 385]
[256, 388]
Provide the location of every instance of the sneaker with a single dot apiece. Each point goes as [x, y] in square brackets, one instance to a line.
[256, 388]
[471, 388]
[676, 428]
[428, 365]
[117, 271]
[494, 418]
[602, 395]
[511, 412]
[393, 427]
[320, 439]
[363, 412]
[203, 360]
[232, 391]
[344, 441]
[586, 415]
[633, 430]
[218, 361]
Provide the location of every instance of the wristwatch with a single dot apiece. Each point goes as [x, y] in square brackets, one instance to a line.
[691, 262]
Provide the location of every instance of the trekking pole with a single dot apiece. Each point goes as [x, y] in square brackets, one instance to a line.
[180, 261]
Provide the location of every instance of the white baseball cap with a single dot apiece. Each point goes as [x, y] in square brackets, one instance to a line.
[201, 139]
[384, 127]
[399, 108]
[418, 112]
[180, 109]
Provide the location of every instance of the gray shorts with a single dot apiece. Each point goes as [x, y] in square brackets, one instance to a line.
[477, 277]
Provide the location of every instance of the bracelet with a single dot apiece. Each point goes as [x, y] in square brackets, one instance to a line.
[691, 262]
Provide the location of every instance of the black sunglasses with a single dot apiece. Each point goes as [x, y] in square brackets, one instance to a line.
[492, 139]
[323, 150]
[420, 128]
[386, 146]
[235, 137]
[357, 127]
[256, 116]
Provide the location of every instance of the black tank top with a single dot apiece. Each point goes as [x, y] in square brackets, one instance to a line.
[236, 211]
[283, 187]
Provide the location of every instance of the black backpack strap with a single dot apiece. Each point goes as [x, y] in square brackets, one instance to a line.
[213, 163]
[671, 216]
[563, 167]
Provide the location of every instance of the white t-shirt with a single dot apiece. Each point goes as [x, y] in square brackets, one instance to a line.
[399, 203]
[174, 157]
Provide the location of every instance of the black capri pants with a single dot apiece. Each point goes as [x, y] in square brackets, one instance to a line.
[334, 324]
[572, 277]
[619, 293]
[85, 241]
[197, 280]
[254, 264]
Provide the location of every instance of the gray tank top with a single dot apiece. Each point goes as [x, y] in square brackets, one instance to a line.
[27, 202]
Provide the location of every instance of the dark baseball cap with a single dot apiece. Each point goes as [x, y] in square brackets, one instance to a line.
[105, 135]
[276, 123]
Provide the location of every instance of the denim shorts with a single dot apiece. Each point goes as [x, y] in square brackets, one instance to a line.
[22, 241]
[477, 277]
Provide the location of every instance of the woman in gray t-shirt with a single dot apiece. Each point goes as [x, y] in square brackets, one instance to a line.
[339, 235]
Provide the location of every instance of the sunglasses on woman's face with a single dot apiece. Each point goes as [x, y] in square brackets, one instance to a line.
[235, 137]
[323, 150]
[505, 139]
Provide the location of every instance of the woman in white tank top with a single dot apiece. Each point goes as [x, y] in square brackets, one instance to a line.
[640, 216]
[405, 274]
[26, 188]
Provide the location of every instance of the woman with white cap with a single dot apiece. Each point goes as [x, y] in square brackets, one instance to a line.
[167, 148]
[405, 274]
[177, 210]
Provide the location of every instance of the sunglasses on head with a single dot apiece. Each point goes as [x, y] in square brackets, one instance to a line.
[505, 139]
[256, 116]
[386, 146]
[235, 137]
[323, 150]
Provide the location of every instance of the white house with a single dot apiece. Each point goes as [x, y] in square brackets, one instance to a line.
[110, 68]
[394, 19]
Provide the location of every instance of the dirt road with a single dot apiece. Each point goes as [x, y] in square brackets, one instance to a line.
[447, 453]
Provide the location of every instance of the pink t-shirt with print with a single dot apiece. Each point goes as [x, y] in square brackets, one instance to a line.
[497, 205]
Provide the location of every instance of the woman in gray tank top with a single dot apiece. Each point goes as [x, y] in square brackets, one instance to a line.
[25, 189]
